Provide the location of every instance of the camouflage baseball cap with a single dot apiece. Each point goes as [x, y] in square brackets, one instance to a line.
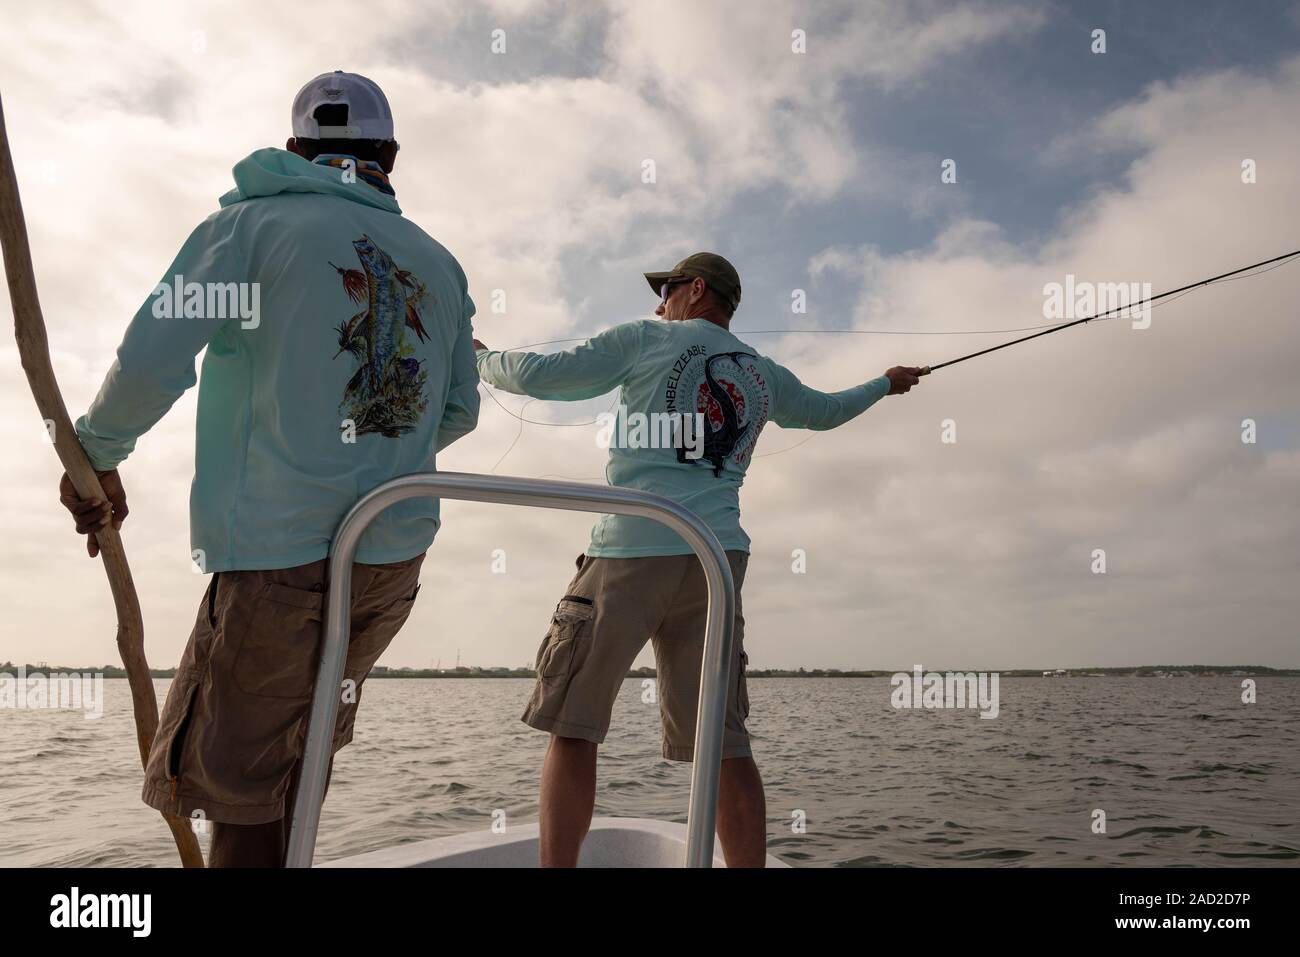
[718, 274]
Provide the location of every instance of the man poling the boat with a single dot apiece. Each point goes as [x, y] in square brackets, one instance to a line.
[691, 378]
[338, 357]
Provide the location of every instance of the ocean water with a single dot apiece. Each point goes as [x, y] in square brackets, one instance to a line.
[1185, 773]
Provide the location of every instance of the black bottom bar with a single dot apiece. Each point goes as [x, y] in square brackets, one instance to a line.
[364, 909]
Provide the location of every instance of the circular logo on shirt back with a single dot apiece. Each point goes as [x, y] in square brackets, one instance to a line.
[729, 391]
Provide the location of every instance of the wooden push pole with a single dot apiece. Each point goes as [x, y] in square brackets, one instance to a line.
[34, 351]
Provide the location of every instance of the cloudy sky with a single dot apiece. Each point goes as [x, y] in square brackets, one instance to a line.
[817, 171]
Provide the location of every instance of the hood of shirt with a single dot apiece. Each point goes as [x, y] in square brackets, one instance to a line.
[270, 172]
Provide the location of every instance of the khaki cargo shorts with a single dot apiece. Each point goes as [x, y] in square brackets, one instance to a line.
[612, 606]
[234, 726]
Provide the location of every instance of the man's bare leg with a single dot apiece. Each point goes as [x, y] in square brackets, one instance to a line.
[742, 813]
[568, 796]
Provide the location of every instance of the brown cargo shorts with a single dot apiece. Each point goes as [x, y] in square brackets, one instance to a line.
[234, 726]
[610, 609]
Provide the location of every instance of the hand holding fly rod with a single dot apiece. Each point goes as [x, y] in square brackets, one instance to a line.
[902, 378]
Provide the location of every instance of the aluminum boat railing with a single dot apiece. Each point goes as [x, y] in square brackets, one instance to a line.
[539, 493]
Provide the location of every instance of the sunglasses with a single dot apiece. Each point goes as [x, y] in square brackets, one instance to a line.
[666, 289]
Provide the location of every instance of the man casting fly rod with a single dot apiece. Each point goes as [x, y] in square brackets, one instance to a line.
[639, 580]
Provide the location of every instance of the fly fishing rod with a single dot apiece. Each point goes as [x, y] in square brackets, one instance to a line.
[926, 370]
[1109, 312]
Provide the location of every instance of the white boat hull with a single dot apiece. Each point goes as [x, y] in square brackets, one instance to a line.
[612, 842]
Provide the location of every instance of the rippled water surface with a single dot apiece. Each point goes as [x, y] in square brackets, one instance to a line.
[1185, 773]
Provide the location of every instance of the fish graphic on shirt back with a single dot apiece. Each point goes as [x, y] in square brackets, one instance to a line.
[376, 337]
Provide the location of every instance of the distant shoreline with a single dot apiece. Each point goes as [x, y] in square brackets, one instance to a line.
[1144, 671]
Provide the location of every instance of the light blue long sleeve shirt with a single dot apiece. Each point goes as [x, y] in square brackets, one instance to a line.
[339, 355]
[668, 374]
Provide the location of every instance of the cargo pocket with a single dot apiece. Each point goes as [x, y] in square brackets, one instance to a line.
[400, 611]
[570, 628]
[174, 725]
[742, 687]
[277, 656]
[212, 599]
[366, 647]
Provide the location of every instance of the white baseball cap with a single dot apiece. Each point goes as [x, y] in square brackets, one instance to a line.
[369, 117]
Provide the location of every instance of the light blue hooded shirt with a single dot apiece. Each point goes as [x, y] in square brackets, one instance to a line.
[665, 371]
[341, 358]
